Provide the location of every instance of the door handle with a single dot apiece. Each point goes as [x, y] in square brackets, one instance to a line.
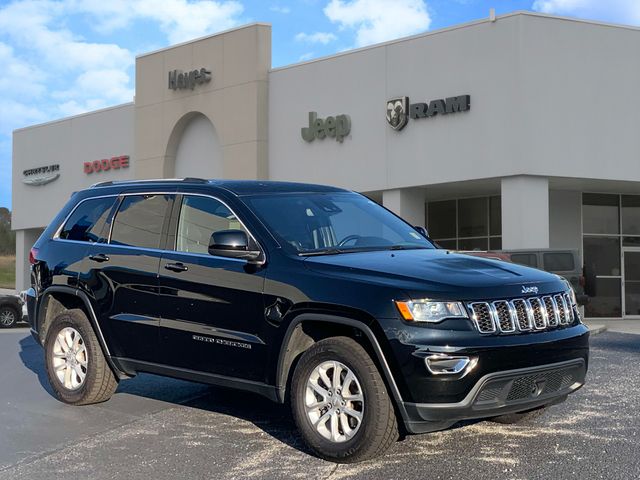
[176, 267]
[99, 257]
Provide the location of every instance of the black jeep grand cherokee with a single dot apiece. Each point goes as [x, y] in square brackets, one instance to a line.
[296, 291]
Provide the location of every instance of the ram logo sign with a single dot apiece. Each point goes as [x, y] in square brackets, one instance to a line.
[399, 110]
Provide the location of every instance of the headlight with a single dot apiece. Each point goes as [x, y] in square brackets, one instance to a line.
[430, 311]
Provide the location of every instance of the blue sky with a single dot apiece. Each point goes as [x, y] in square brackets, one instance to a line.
[64, 57]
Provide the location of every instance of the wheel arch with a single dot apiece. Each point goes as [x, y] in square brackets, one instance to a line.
[305, 329]
[55, 300]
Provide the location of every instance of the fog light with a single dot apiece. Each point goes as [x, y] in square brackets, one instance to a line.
[442, 364]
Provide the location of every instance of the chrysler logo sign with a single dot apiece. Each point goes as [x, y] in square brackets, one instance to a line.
[399, 110]
[41, 175]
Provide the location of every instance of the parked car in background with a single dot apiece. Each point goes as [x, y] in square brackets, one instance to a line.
[10, 310]
[565, 263]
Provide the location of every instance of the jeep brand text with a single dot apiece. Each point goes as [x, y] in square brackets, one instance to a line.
[179, 80]
[336, 127]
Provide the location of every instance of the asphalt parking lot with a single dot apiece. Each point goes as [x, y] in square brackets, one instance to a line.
[156, 428]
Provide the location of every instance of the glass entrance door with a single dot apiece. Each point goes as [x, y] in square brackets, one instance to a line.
[631, 281]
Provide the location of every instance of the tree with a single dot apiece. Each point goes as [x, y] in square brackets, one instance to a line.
[7, 237]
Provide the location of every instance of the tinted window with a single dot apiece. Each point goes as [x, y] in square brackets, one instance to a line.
[319, 221]
[528, 259]
[600, 213]
[86, 223]
[199, 218]
[558, 262]
[442, 219]
[631, 214]
[602, 255]
[472, 218]
[139, 220]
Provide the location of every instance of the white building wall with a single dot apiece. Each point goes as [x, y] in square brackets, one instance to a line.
[525, 212]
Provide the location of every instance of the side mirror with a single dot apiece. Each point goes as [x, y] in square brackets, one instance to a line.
[232, 244]
[422, 231]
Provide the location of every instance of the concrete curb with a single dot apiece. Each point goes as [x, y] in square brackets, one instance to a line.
[596, 329]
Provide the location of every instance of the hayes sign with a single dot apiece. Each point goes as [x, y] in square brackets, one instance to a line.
[399, 110]
[179, 80]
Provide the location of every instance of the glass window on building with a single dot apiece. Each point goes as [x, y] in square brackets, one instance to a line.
[442, 219]
[630, 214]
[466, 224]
[600, 213]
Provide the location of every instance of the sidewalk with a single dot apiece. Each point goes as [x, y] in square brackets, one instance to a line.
[7, 291]
[618, 326]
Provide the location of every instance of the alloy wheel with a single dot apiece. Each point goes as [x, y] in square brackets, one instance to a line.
[70, 358]
[334, 401]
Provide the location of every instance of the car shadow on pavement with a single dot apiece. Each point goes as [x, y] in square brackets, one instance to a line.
[32, 357]
[272, 418]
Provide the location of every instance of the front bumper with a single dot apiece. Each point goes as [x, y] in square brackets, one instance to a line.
[501, 393]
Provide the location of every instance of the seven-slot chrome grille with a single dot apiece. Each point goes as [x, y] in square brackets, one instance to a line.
[523, 314]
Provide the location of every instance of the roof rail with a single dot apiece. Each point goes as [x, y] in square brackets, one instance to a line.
[150, 180]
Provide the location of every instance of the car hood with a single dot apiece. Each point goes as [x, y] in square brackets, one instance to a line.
[438, 273]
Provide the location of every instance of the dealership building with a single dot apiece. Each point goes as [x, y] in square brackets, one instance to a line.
[515, 132]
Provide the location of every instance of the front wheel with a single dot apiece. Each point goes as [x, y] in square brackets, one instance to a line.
[340, 402]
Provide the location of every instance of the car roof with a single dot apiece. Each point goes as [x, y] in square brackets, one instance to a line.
[237, 187]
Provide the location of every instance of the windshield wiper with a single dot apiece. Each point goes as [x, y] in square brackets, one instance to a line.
[325, 251]
[408, 247]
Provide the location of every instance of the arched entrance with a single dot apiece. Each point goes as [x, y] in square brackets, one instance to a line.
[194, 149]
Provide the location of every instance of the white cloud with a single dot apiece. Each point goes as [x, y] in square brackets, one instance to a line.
[617, 11]
[318, 37]
[306, 56]
[280, 9]
[376, 21]
[180, 20]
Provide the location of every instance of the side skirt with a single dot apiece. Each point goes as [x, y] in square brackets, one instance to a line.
[138, 366]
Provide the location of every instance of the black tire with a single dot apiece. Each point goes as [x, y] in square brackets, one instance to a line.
[9, 316]
[378, 428]
[99, 383]
[518, 417]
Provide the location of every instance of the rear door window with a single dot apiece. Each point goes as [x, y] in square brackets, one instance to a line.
[558, 262]
[528, 259]
[87, 222]
[140, 220]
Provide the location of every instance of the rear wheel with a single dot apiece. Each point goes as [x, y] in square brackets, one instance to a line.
[8, 316]
[76, 367]
[340, 402]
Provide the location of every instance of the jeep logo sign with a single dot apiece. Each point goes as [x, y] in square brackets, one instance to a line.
[336, 127]
[399, 110]
[179, 80]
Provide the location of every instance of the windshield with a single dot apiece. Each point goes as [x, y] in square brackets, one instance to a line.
[325, 223]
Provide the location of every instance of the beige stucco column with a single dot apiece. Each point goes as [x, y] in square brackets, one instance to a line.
[234, 97]
[525, 212]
